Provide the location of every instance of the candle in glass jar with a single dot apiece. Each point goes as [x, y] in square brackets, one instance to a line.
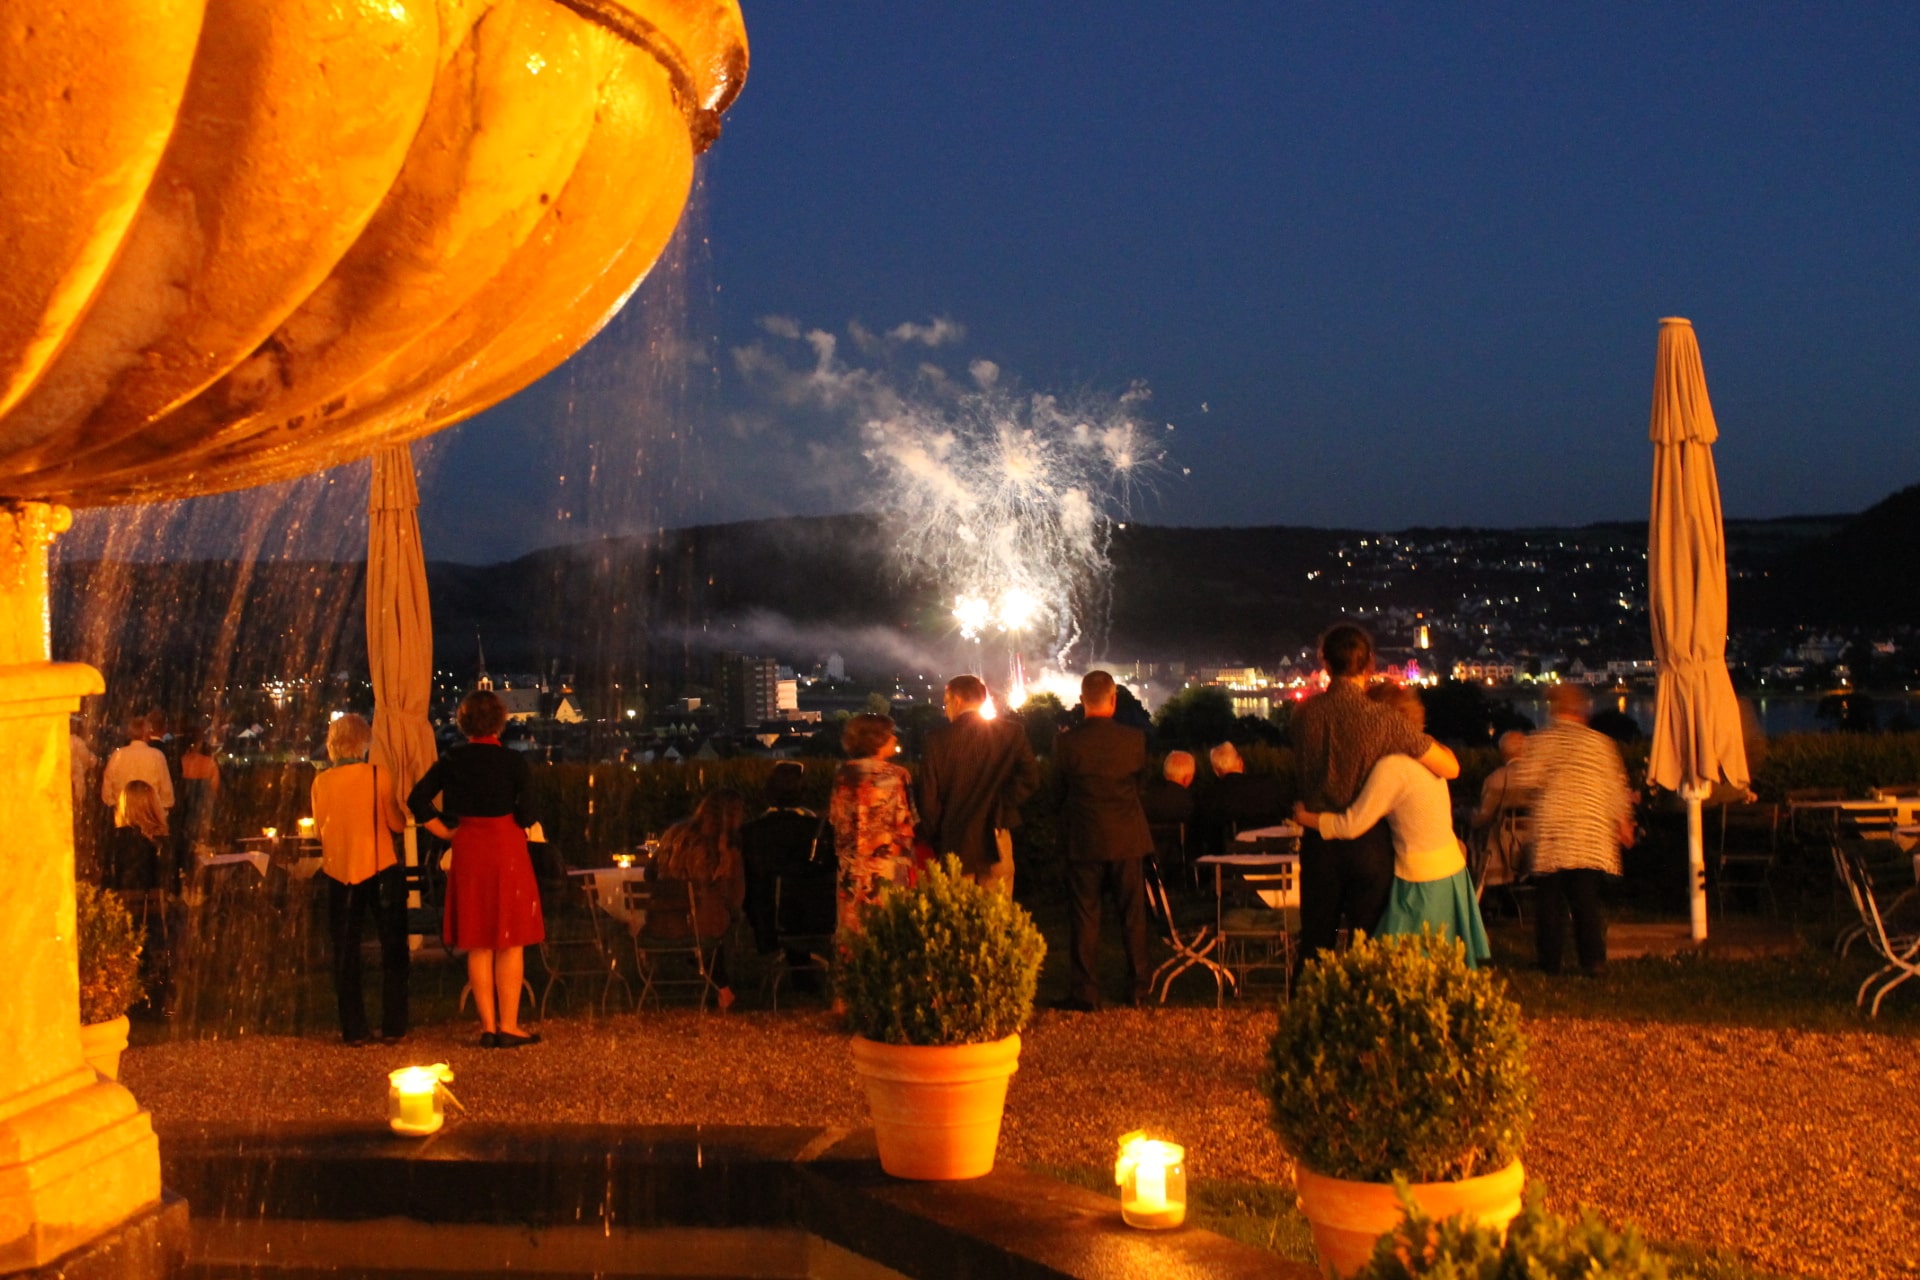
[1153, 1182]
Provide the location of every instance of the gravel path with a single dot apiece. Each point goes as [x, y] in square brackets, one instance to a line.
[1799, 1151]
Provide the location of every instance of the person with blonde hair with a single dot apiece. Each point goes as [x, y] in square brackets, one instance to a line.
[355, 815]
[493, 901]
[138, 759]
[1431, 887]
[139, 834]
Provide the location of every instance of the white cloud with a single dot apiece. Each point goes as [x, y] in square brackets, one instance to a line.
[935, 333]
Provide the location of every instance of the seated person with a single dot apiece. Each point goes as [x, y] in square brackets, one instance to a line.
[1500, 818]
[1168, 799]
[781, 844]
[702, 851]
[1494, 792]
[1238, 800]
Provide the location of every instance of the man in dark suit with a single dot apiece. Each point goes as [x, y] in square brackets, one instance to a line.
[1099, 770]
[974, 775]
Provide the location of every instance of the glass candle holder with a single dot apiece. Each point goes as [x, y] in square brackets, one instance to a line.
[1153, 1182]
[416, 1099]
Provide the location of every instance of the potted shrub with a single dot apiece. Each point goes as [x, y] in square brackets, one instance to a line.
[937, 984]
[109, 948]
[1538, 1246]
[1396, 1060]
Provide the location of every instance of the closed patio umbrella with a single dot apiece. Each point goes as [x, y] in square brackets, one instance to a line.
[399, 626]
[1696, 732]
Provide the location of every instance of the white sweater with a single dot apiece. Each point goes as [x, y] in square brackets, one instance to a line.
[1419, 810]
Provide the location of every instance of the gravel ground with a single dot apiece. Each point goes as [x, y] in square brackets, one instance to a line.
[1798, 1151]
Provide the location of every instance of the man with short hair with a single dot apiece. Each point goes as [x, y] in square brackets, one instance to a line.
[1582, 816]
[138, 761]
[974, 775]
[1169, 797]
[1338, 736]
[1099, 770]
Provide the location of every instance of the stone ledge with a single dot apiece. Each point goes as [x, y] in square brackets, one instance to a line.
[1010, 1225]
[149, 1246]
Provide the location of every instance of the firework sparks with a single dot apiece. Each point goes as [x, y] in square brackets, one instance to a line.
[1011, 500]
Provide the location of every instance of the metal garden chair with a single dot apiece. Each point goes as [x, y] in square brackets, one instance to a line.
[1900, 950]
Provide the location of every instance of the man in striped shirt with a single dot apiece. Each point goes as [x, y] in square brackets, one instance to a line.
[1582, 815]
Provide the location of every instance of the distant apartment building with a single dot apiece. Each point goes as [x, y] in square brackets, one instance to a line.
[1232, 677]
[749, 690]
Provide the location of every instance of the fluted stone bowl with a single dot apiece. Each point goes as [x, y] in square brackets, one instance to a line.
[243, 240]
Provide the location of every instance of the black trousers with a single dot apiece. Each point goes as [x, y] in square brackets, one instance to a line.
[1577, 891]
[1085, 881]
[384, 896]
[1343, 883]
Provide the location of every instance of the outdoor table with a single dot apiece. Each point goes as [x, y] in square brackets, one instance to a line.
[252, 857]
[1285, 831]
[1250, 862]
[609, 887]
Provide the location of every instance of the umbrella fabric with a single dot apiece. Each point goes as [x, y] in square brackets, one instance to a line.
[399, 623]
[1696, 735]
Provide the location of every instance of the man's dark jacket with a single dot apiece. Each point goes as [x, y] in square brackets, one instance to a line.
[974, 774]
[1167, 802]
[1099, 770]
[1245, 801]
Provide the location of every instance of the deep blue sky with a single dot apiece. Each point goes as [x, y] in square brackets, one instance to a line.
[1411, 257]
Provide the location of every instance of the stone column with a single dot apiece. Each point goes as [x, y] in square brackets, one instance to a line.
[77, 1154]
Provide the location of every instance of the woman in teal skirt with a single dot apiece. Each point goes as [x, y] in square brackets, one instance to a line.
[1431, 887]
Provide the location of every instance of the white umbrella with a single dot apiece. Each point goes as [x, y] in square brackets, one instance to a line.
[1696, 734]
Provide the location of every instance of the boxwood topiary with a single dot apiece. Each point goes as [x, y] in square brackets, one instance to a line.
[946, 962]
[109, 948]
[1538, 1246]
[1396, 1058]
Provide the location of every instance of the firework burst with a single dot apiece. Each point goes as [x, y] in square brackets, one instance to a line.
[1010, 500]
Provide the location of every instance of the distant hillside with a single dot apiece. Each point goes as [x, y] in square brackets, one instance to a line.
[656, 608]
[1865, 572]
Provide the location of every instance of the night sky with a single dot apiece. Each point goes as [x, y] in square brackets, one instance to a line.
[1380, 265]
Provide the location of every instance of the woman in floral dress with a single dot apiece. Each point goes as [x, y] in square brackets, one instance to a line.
[872, 815]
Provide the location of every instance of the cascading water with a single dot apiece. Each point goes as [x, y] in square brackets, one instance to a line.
[241, 616]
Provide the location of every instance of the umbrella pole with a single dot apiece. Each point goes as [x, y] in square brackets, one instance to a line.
[1696, 861]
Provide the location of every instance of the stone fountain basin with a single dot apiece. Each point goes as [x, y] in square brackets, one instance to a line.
[789, 1201]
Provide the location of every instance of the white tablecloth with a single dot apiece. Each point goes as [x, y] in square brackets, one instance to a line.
[259, 861]
[609, 884]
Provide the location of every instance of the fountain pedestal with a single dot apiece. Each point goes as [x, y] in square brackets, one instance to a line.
[77, 1154]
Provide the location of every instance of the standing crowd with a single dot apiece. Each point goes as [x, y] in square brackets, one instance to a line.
[1378, 851]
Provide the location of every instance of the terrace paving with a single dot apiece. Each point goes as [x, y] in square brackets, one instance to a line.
[1795, 1150]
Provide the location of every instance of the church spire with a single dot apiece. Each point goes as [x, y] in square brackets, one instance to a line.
[484, 681]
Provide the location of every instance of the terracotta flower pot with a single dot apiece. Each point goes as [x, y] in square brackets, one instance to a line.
[936, 1108]
[101, 1044]
[1347, 1217]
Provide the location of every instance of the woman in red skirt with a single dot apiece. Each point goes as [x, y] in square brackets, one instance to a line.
[493, 903]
